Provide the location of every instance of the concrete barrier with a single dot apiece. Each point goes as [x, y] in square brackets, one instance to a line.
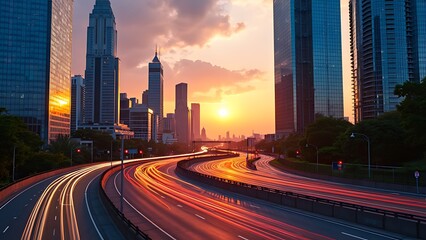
[422, 230]
[289, 201]
[345, 213]
[323, 208]
[274, 197]
[403, 226]
[304, 204]
[372, 219]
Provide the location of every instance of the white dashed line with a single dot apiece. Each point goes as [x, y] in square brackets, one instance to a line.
[5, 229]
[179, 206]
[162, 197]
[26, 205]
[350, 235]
[254, 206]
[200, 216]
[54, 231]
[55, 218]
[242, 237]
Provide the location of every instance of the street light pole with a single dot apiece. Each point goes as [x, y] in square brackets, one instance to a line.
[316, 148]
[13, 163]
[369, 151]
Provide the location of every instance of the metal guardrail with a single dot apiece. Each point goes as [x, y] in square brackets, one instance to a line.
[138, 233]
[182, 168]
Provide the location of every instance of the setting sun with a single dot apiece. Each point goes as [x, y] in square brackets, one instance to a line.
[223, 113]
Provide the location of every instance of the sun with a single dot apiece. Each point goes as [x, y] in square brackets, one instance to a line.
[223, 112]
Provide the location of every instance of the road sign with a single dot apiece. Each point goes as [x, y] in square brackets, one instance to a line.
[416, 174]
[133, 151]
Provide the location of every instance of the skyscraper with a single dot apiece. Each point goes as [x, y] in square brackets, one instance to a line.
[35, 64]
[195, 121]
[388, 47]
[155, 92]
[182, 114]
[308, 62]
[102, 66]
[77, 102]
[125, 106]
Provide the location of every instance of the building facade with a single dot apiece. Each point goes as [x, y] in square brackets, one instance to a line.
[77, 102]
[388, 47]
[102, 66]
[35, 64]
[308, 63]
[140, 121]
[195, 121]
[182, 119]
[125, 105]
[155, 92]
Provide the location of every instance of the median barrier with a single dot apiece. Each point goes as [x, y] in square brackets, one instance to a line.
[371, 219]
[322, 208]
[410, 225]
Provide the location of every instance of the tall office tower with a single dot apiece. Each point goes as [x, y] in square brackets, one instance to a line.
[308, 63]
[145, 97]
[155, 92]
[388, 47]
[195, 121]
[102, 72]
[182, 114]
[125, 106]
[35, 64]
[77, 102]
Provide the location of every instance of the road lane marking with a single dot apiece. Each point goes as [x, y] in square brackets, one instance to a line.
[354, 236]
[180, 206]
[88, 208]
[242, 237]
[200, 216]
[26, 205]
[55, 218]
[163, 197]
[5, 229]
[54, 231]
[15, 218]
[254, 206]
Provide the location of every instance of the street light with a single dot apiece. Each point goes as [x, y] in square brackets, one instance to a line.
[316, 148]
[365, 137]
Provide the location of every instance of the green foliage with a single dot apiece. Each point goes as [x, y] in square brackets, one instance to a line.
[413, 111]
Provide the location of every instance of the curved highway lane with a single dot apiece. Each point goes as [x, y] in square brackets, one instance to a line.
[267, 176]
[168, 207]
[66, 206]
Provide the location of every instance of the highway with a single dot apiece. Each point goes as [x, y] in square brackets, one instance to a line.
[168, 207]
[66, 206]
[268, 176]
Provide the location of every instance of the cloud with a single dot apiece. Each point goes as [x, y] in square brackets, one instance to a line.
[142, 24]
[209, 83]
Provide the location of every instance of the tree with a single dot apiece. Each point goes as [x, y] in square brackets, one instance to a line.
[413, 111]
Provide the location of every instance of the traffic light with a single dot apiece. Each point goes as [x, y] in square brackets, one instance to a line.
[140, 151]
[78, 150]
[126, 151]
[298, 152]
[340, 165]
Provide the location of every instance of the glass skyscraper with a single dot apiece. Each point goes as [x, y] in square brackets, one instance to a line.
[102, 100]
[308, 63]
[77, 102]
[155, 94]
[35, 63]
[388, 47]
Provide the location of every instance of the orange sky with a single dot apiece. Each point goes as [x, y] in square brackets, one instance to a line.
[223, 49]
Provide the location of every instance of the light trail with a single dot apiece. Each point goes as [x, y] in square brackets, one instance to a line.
[267, 176]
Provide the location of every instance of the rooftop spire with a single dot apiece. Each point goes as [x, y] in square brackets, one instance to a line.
[156, 60]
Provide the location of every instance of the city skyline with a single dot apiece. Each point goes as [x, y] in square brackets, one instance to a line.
[241, 73]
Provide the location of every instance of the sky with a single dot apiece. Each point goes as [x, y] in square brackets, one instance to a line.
[223, 49]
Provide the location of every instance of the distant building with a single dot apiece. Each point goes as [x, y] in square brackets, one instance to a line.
[169, 138]
[169, 123]
[35, 64]
[182, 114]
[203, 134]
[145, 96]
[388, 47]
[140, 122]
[155, 93]
[134, 101]
[125, 105]
[195, 121]
[77, 102]
[270, 137]
[102, 67]
[308, 63]
[117, 131]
